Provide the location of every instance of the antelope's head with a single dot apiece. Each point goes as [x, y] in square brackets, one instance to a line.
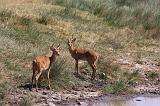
[71, 42]
[55, 50]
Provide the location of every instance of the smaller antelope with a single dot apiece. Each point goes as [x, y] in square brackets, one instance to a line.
[42, 64]
[83, 54]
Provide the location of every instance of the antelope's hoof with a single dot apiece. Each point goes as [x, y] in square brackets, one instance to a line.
[30, 89]
[49, 88]
[76, 74]
[92, 79]
[36, 90]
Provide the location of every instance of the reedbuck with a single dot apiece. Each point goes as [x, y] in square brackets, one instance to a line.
[83, 54]
[43, 64]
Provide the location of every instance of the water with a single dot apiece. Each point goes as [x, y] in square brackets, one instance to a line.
[120, 101]
[138, 101]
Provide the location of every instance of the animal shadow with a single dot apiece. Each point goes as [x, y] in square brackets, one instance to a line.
[26, 86]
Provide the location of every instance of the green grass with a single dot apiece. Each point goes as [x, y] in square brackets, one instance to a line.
[152, 75]
[61, 74]
[12, 66]
[4, 86]
[112, 71]
[26, 21]
[118, 87]
[59, 67]
[5, 14]
[24, 102]
[133, 78]
[44, 19]
[120, 12]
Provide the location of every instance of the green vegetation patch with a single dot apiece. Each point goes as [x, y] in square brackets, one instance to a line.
[120, 12]
[118, 87]
[4, 86]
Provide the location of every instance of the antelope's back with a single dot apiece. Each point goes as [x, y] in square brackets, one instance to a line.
[83, 53]
[43, 62]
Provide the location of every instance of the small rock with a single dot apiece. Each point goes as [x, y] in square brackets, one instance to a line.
[78, 102]
[138, 100]
[44, 93]
[92, 90]
[55, 98]
[75, 93]
[43, 97]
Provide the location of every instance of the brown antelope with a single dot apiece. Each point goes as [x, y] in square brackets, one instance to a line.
[83, 54]
[43, 64]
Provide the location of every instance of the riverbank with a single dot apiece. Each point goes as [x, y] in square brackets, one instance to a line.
[91, 93]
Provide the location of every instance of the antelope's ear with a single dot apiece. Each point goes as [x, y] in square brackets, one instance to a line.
[58, 46]
[69, 39]
[73, 40]
[51, 48]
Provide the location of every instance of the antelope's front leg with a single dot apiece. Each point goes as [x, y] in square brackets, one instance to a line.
[48, 75]
[76, 67]
[33, 77]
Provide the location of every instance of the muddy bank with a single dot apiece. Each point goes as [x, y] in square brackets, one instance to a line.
[76, 96]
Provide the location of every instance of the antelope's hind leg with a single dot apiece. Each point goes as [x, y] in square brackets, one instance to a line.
[76, 67]
[93, 71]
[37, 77]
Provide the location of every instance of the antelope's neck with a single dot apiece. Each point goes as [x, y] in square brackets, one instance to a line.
[71, 50]
[52, 58]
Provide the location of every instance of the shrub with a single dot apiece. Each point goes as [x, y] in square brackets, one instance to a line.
[3, 88]
[61, 75]
[5, 14]
[152, 75]
[25, 21]
[44, 19]
[58, 68]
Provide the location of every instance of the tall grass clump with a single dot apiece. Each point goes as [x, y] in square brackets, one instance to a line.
[152, 75]
[3, 89]
[61, 75]
[58, 68]
[5, 14]
[26, 21]
[44, 18]
[79, 4]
